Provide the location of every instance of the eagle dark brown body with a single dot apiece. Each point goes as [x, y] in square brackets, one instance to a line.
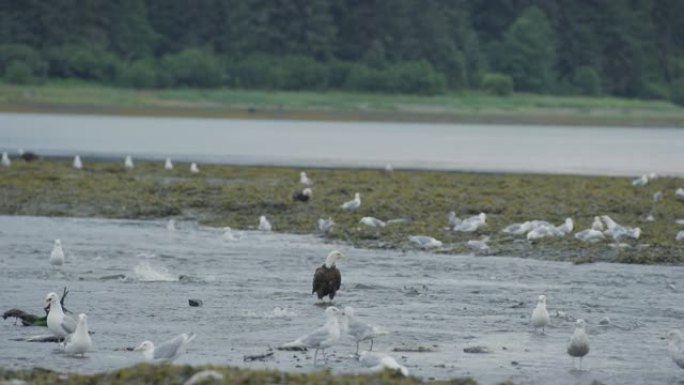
[326, 281]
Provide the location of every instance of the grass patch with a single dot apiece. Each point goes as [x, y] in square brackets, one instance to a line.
[235, 196]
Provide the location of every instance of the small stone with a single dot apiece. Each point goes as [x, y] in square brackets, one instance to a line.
[604, 321]
[477, 350]
[514, 363]
[195, 302]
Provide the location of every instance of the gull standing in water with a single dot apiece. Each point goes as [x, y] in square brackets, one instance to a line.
[321, 338]
[58, 323]
[382, 361]
[79, 342]
[352, 204]
[77, 163]
[359, 330]
[6, 160]
[57, 254]
[540, 316]
[128, 163]
[167, 351]
[264, 224]
[579, 343]
[168, 165]
[675, 347]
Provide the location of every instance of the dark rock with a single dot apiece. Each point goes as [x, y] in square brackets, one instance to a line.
[195, 302]
[477, 350]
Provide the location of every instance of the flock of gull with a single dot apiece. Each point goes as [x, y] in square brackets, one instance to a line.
[75, 338]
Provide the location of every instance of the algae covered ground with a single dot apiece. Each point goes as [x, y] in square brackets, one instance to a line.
[235, 196]
[146, 374]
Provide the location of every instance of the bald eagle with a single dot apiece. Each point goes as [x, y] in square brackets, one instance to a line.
[327, 279]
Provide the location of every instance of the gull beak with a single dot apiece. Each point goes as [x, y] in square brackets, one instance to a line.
[139, 348]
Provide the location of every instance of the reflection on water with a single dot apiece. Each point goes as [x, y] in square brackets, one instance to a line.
[554, 149]
[256, 295]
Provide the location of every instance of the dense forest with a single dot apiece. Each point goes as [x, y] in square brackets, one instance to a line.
[630, 48]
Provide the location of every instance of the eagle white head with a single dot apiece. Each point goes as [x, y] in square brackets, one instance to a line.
[333, 257]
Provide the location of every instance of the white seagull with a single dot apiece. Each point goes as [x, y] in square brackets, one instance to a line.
[352, 204]
[193, 168]
[168, 165]
[321, 338]
[325, 225]
[678, 193]
[77, 163]
[518, 228]
[597, 224]
[590, 236]
[567, 227]
[471, 224]
[58, 323]
[264, 224]
[79, 342]
[167, 351]
[128, 162]
[6, 160]
[675, 347]
[303, 179]
[425, 242]
[480, 247]
[680, 236]
[372, 222]
[540, 316]
[57, 254]
[640, 181]
[578, 347]
[358, 330]
[381, 361]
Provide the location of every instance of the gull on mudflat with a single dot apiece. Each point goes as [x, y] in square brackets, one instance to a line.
[540, 316]
[359, 330]
[57, 254]
[472, 224]
[679, 192]
[168, 165]
[453, 219]
[680, 236]
[264, 224]
[675, 347]
[518, 228]
[77, 163]
[618, 232]
[480, 247]
[425, 242]
[388, 168]
[657, 196]
[372, 222]
[640, 181]
[590, 235]
[325, 225]
[167, 351]
[321, 338]
[128, 162]
[79, 342]
[597, 224]
[6, 160]
[58, 323]
[578, 347]
[380, 361]
[352, 204]
[303, 179]
[543, 232]
[193, 168]
[567, 227]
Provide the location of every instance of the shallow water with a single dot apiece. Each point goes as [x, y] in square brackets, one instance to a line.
[469, 147]
[256, 295]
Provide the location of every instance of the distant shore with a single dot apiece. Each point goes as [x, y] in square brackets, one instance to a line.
[90, 98]
[235, 196]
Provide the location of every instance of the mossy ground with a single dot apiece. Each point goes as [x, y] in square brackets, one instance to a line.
[146, 374]
[235, 196]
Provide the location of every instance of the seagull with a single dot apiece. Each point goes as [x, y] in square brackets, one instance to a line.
[167, 351]
[321, 338]
[325, 225]
[680, 236]
[542, 232]
[57, 255]
[678, 193]
[578, 347]
[388, 168]
[229, 235]
[352, 204]
[518, 228]
[597, 224]
[264, 224]
[590, 235]
[657, 196]
[381, 361]
[327, 278]
[168, 165]
[6, 160]
[425, 242]
[566, 228]
[193, 168]
[171, 225]
[79, 342]
[372, 222]
[359, 330]
[77, 162]
[640, 181]
[471, 224]
[675, 347]
[303, 179]
[540, 316]
[58, 323]
[453, 219]
[303, 196]
[480, 247]
[617, 231]
[128, 162]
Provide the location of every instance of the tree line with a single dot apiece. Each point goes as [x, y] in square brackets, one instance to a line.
[630, 48]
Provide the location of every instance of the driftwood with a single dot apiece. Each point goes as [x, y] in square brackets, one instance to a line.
[28, 319]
